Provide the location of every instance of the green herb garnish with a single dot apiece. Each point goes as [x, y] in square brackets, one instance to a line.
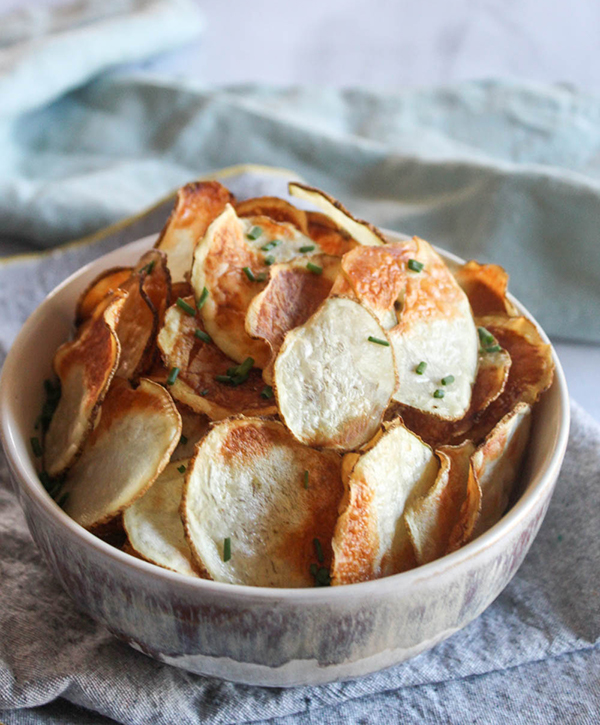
[248, 272]
[204, 392]
[318, 550]
[183, 440]
[439, 393]
[172, 376]
[201, 335]
[415, 266]
[385, 343]
[421, 367]
[227, 549]
[202, 298]
[181, 469]
[307, 248]
[486, 338]
[254, 233]
[448, 380]
[314, 268]
[306, 480]
[270, 245]
[493, 348]
[322, 577]
[148, 267]
[185, 307]
[238, 374]
[266, 392]
[269, 259]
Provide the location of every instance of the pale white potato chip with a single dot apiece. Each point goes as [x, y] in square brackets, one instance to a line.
[333, 384]
[371, 538]
[256, 500]
[153, 523]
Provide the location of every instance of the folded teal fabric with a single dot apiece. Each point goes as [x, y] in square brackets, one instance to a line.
[498, 171]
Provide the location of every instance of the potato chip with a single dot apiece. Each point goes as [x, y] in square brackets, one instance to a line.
[334, 376]
[361, 231]
[196, 206]
[435, 342]
[124, 454]
[485, 285]
[291, 297]
[103, 285]
[85, 367]
[330, 238]
[371, 538]
[276, 209]
[153, 523]
[260, 508]
[200, 364]
[432, 518]
[194, 426]
[496, 464]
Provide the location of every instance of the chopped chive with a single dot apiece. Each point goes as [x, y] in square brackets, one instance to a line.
[486, 338]
[448, 380]
[201, 335]
[246, 366]
[223, 379]
[307, 248]
[306, 479]
[172, 376]
[204, 392]
[232, 371]
[254, 233]
[266, 392]
[183, 440]
[261, 277]
[185, 307]
[385, 343]
[420, 369]
[322, 578]
[269, 259]
[227, 549]
[313, 568]
[439, 393]
[314, 268]
[270, 245]
[36, 447]
[248, 272]
[148, 267]
[202, 298]
[415, 266]
[318, 550]
[181, 469]
[493, 348]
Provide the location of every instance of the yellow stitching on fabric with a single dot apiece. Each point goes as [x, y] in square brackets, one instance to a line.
[225, 173]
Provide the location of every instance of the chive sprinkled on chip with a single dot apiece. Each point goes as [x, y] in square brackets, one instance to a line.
[385, 343]
[172, 376]
[227, 549]
[266, 392]
[249, 273]
[202, 298]
[254, 233]
[36, 447]
[204, 392]
[269, 259]
[448, 380]
[313, 570]
[439, 393]
[485, 337]
[181, 469]
[306, 479]
[322, 577]
[415, 266]
[201, 335]
[421, 367]
[261, 277]
[238, 374]
[314, 268]
[148, 267]
[183, 440]
[223, 379]
[185, 307]
[493, 348]
[318, 550]
[306, 248]
[270, 245]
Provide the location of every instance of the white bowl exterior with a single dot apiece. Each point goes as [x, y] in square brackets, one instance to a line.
[248, 634]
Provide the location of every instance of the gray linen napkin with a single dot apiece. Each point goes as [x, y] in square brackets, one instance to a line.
[532, 657]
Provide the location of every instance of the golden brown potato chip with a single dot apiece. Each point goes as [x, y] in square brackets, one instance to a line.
[432, 518]
[276, 209]
[496, 464]
[371, 538]
[361, 231]
[85, 366]
[104, 285]
[334, 376]
[153, 523]
[196, 206]
[290, 298]
[194, 426]
[485, 285]
[199, 363]
[251, 484]
[124, 454]
[330, 238]
[435, 339]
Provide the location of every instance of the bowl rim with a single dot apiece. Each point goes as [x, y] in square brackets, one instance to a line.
[24, 471]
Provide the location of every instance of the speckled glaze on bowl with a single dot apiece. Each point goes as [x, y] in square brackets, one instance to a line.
[276, 637]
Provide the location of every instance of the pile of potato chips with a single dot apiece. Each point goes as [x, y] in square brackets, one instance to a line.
[283, 398]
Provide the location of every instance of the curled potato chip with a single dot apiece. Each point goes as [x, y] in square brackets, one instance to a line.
[496, 464]
[103, 285]
[276, 209]
[485, 285]
[361, 231]
[333, 383]
[291, 297]
[196, 206]
[199, 363]
[153, 523]
[330, 238]
[253, 485]
[371, 538]
[433, 518]
[124, 454]
[435, 339]
[492, 376]
[85, 367]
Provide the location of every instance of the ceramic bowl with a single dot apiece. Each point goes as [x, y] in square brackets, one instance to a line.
[276, 637]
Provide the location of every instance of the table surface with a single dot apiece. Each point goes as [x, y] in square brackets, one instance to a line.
[392, 44]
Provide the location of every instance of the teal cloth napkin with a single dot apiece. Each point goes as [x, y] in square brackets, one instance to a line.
[499, 171]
